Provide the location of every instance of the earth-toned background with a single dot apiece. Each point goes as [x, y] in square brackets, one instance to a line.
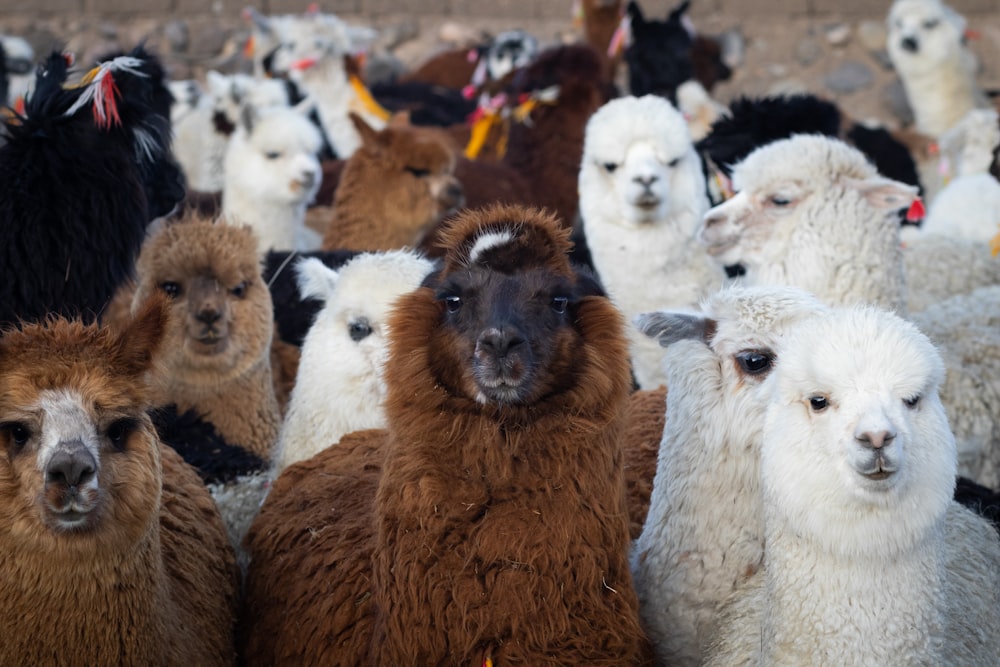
[835, 49]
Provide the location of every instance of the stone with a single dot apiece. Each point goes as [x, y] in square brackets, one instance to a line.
[808, 51]
[176, 33]
[733, 46]
[895, 100]
[838, 35]
[849, 77]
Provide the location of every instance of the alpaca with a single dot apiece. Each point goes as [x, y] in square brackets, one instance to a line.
[642, 197]
[112, 551]
[217, 360]
[511, 552]
[271, 174]
[857, 475]
[811, 212]
[81, 176]
[702, 536]
[601, 21]
[340, 387]
[926, 46]
[412, 170]
[202, 134]
[19, 68]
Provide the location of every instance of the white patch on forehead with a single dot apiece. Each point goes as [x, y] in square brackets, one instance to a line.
[487, 241]
[65, 419]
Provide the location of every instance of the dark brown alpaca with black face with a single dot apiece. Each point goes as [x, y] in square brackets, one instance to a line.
[497, 492]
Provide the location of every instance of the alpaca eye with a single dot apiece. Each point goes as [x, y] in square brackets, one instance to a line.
[172, 289]
[912, 402]
[17, 432]
[358, 330]
[930, 24]
[272, 155]
[673, 163]
[755, 362]
[818, 403]
[779, 201]
[240, 290]
[610, 167]
[453, 303]
[417, 172]
[119, 432]
[559, 303]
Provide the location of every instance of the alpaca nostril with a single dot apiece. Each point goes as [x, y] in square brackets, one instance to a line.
[910, 44]
[208, 315]
[646, 181]
[71, 466]
[712, 219]
[875, 439]
[499, 343]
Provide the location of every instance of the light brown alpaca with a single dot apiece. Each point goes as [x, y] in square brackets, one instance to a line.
[393, 189]
[217, 357]
[111, 550]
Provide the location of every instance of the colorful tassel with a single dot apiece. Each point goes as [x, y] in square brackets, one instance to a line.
[916, 212]
[102, 92]
[368, 103]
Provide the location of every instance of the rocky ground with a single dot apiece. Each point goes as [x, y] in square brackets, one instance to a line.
[843, 60]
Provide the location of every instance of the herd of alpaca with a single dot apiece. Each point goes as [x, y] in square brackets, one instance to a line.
[647, 380]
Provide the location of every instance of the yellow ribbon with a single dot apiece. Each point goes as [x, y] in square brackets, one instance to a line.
[367, 102]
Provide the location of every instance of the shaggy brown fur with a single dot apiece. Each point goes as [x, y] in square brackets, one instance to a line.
[645, 419]
[393, 189]
[601, 19]
[217, 359]
[501, 529]
[147, 577]
[451, 69]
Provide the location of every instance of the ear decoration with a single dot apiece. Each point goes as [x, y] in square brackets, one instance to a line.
[916, 212]
[622, 37]
[102, 92]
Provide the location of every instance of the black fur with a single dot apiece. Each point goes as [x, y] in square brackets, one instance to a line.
[659, 57]
[428, 104]
[73, 196]
[293, 314]
[200, 445]
[890, 157]
[982, 500]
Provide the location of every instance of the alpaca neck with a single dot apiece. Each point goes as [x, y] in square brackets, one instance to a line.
[942, 96]
[99, 608]
[328, 84]
[243, 409]
[277, 224]
[862, 608]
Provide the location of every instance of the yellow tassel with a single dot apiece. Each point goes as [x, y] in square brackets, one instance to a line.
[995, 245]
[368, 102]
[477, 138]
[524, 109]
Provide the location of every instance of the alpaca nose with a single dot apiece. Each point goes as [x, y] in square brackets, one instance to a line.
[208, 315]
[875, 439]
[71, 465]
[646, 181]
[308, 179]
[499, 342]
[910, 44]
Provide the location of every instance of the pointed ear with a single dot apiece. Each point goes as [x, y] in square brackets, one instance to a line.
[400, 119]
[306, 105]
[140, 340]
[248, 117]
[315, 279]
[669, 327]
[677, 12]
[883, 193]
[635, 14]
[369, 136]
[217, 82]
[257, 20]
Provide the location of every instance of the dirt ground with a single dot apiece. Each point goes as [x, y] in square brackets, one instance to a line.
[793, 55]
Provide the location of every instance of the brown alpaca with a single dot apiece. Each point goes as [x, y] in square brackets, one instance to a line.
[112, 551]
[645, 418]
[217, 357]
[601, 18]
[393, 189]
[500, 522]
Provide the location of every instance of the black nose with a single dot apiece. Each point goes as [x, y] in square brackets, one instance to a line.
[208, 315]
[70, 466]
[910, 44]
[499, 343]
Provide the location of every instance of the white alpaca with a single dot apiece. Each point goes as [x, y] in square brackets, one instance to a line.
[272, 174]
[868, 560]
[925, 44]
[699, 109]
[20, 62]
[311, 52]
[967, 208]
[642, 196]
[802, 219]
[202, 129]
[703, 535]
[339, 387]
[811, 211]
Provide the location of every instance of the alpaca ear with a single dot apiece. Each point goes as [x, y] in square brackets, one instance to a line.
[635, 14]
[677, 12]
[400, 119]
[669, 327]
[883, 193]
[248, 117]
[315, 279]
[258, 20]
[306, 105]
[217, 82]
[140, 340]
[368, 134]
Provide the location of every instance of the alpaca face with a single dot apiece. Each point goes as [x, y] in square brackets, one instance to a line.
[855, 430]
[80, 464]
[922, 35]
[509, 51]
[659, 56]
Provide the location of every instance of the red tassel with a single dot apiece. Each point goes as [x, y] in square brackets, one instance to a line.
[916, 212]
[106, 103]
